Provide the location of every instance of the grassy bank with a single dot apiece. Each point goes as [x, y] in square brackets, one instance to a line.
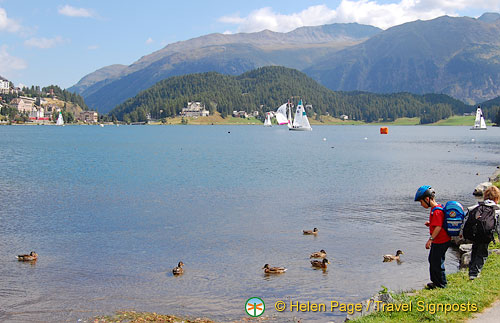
[460, 290]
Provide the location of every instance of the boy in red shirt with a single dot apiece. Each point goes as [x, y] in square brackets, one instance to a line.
[439, 241]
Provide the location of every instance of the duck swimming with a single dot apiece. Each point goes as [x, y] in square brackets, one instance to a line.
[388, 258]
[31, 257]
[320, 263]
[319, 254]
[273, 270]
[314, 231]
[178, 270]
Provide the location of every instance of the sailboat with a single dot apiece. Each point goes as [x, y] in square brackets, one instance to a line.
[300, 122]
[281, 114]
[268, 123]
[479, 124]
[60, 120]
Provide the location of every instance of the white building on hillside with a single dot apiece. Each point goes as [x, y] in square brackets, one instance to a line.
[4, 86]
[195, 109]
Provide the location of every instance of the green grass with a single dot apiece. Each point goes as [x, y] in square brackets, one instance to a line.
[457, 121]
[326, 120]
[401, 122]
[460, 290]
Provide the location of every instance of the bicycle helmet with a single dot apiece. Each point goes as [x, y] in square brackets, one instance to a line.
[423, 192]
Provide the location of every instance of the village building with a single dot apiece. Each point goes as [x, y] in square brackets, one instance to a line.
[23, 104]
[4, 86]
[344, 117]
[39, 114]
[240, 114]
[88, 116]
[195, 109]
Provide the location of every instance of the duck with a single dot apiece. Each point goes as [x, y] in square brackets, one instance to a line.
[273, 270]
[178, 270]
[31, 257]
[318, 254]
[388, 258]
[313, 231]
[320, 263]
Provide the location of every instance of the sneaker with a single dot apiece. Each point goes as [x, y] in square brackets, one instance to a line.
[430, 286]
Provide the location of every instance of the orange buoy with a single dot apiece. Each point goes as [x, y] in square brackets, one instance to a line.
[384, 130]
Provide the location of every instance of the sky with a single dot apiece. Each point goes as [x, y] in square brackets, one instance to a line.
[59, 42]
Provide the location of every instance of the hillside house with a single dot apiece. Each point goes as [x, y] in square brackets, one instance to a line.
[195, 109]
[344, 117]
[88, 116]
[4, 86]
[23, 105]
[240, 114]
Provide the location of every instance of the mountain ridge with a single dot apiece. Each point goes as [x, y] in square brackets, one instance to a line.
[231, 54]
[442, 55]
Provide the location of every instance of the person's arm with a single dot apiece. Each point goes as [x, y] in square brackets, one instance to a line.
[432, 237]
[498, 227]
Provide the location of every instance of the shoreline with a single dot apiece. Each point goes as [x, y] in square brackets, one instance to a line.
[217, 120]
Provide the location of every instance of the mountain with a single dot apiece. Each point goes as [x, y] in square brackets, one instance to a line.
[458, 56]
[111, 72]
[489, 17]
[228, 54]
[266, 88]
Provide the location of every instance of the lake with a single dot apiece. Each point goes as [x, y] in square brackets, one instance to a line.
[111, 211]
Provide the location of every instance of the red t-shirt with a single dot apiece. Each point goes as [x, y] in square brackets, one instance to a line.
[436, 219]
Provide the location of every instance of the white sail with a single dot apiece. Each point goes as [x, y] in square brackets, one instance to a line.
[483, 124]
[60, 120]
[281, 115]
[289, 105]
[268, 123]
[479, 124]
[300, 122]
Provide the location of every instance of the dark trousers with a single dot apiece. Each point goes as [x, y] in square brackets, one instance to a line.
[436, 262]
[477, 258]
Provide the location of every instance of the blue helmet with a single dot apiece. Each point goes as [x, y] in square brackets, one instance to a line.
[423, 192]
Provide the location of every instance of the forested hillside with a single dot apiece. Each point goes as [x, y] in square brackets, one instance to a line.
[266, 88]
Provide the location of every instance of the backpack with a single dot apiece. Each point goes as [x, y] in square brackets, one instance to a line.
[480, 230]
[454, 215]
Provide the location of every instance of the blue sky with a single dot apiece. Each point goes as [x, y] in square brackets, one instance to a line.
[59, 42]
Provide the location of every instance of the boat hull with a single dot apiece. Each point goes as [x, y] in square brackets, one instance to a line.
[300, 129]
[478, 128]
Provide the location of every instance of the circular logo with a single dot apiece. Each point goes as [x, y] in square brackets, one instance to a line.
[453, 214]
[255, 306]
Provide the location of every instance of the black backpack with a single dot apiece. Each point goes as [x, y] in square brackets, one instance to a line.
[480, 229]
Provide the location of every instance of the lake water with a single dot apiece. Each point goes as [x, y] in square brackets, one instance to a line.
[111, 211]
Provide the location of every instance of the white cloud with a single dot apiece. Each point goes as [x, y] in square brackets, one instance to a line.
[10, 63]
[149, 40]
[70, 11]
[44, 43]
[8, 24]
[93, 47]
[383, 15]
